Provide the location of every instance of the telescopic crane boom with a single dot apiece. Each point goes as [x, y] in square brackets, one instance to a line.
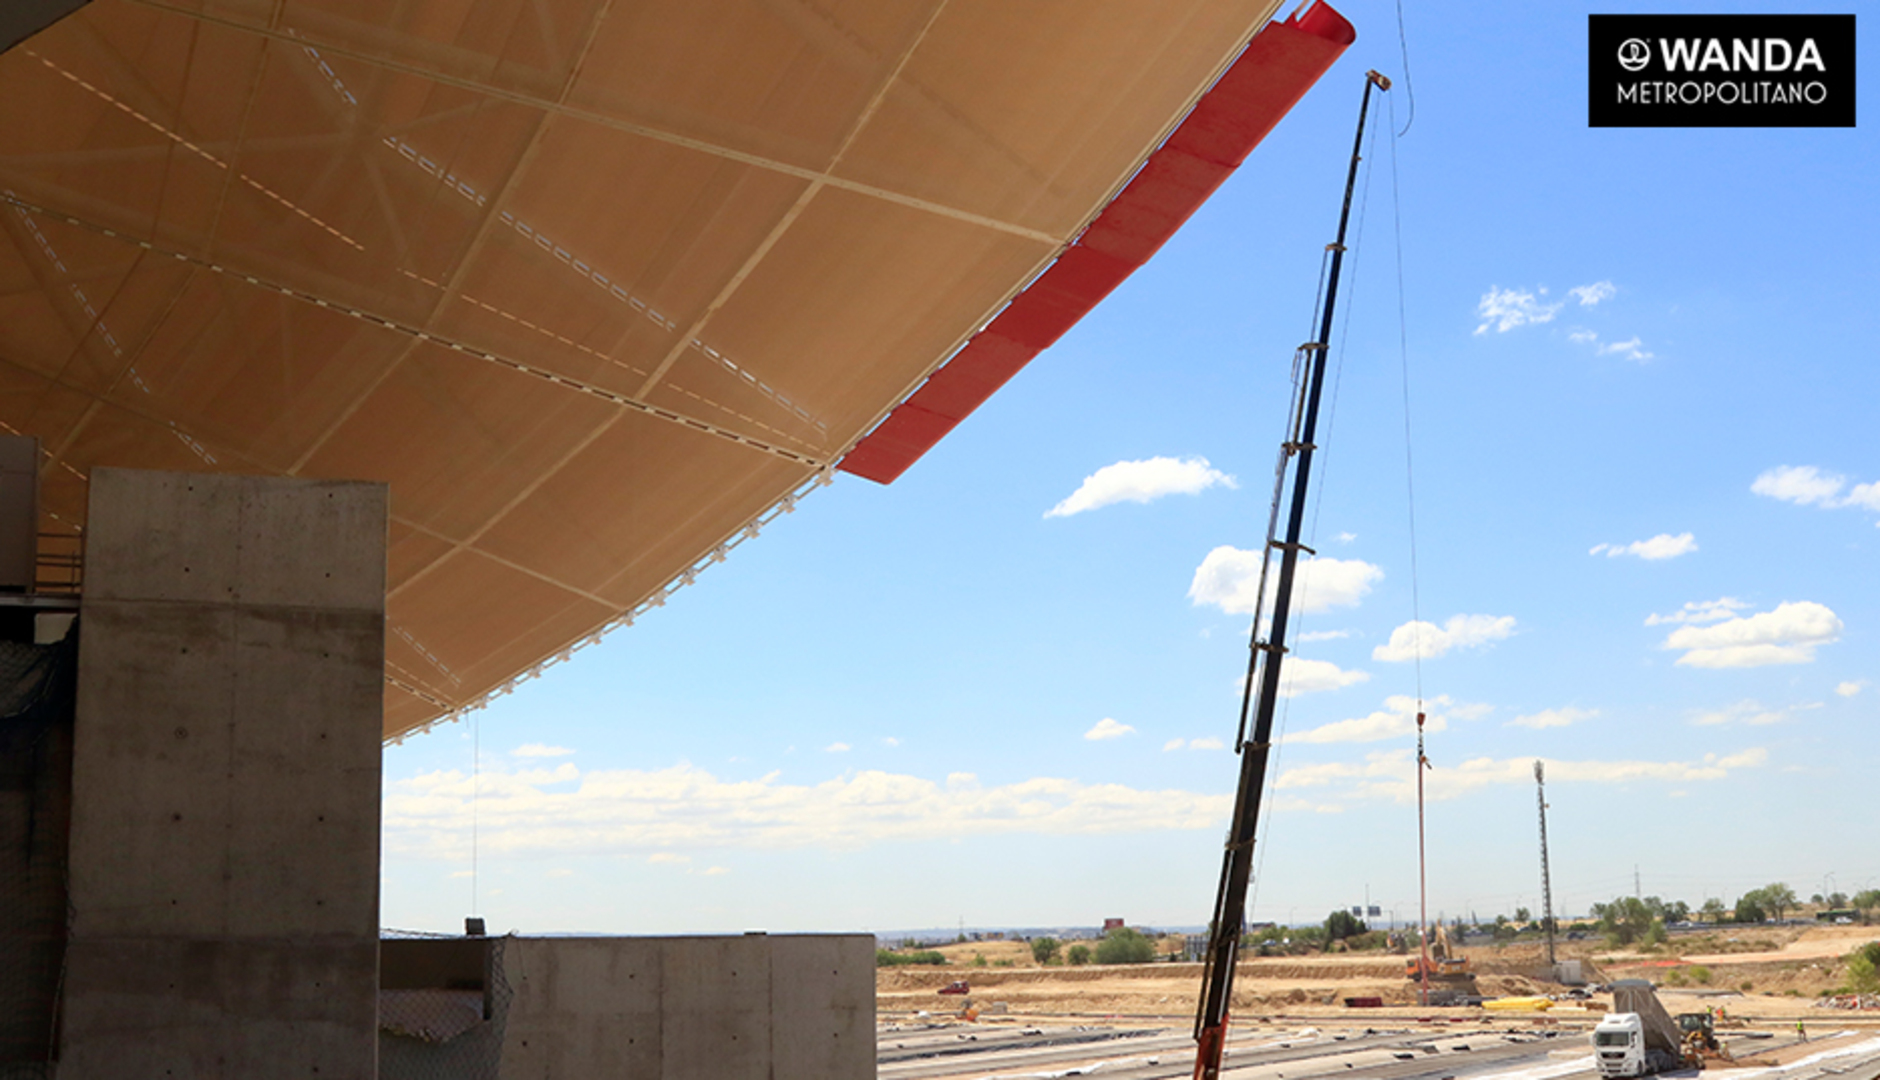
[1230, 902]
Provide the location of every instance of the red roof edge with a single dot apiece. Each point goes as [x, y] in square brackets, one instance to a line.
[1278, 66]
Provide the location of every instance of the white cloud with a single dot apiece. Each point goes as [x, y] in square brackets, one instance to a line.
[1548, 718]
[1460, 632]
[1346, 537]
[1286, 805]
[889, 740]
[1300, 676]
[1582, 337]
[1379, 764]
[686, 809]
[836, 748]
[1850, 688]
[1806, 485]
[1747, 712]
[1787, 635]
[1800, 484]
[1141, 482]
[1468, 711]
[1589, 295]
[1229, 578]
[1174, 744]
[668, 857]
[1107, 728]
[1662, 546]
[714, 871]
[1700, 611]
[1505, 309]
[1866, 496]
[1632, 349]
[1206, 742]
[1323, 635]
[540, 750]
[1391, 774]
[1397, 718]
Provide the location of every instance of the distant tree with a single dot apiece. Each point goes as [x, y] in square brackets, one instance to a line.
[1078, 955]
[1522, 915]
[1837, 899]
[1778, 898]
[1866, 900]
[1342, 924]
[1712, 910]
[1818, 900]
[890, 958]
[1626, 920]
[1749, 907]
[1045, 949]
[1125, 945]
[1676, 911]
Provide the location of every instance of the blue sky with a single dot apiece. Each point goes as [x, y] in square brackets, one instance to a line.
[1641, 381]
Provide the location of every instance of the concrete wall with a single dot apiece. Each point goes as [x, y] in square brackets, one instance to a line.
[225, 825]
[765, 1007]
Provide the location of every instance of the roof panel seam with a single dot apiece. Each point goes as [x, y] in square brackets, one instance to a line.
[627, 126]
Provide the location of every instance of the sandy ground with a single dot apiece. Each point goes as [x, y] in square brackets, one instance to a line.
[1813, 944]
[1772, 973]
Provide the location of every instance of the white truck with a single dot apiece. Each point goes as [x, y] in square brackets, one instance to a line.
[1638, 1037]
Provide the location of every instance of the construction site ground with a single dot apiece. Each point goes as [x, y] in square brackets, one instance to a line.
[1431, 1047]
[1770, 975]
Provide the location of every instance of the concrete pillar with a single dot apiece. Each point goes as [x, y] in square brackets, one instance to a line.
[225, 780]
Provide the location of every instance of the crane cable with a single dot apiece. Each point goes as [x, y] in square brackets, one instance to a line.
[1409, 470]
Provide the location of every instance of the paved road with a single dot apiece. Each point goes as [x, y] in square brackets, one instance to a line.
[1474, 1052]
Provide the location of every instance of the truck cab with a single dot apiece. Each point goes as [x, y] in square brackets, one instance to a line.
[1620, 1048]
[1619, 1045]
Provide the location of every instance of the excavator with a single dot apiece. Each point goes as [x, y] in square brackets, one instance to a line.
[1446, 963]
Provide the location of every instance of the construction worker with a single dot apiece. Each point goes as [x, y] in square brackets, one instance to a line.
[1800, 1031]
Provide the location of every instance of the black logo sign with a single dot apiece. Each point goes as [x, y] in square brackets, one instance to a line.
[1720, 70]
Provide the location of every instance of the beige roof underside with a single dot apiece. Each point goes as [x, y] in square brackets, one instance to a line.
[592, 285]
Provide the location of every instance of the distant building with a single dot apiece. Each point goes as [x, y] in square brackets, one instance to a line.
[1112, 924]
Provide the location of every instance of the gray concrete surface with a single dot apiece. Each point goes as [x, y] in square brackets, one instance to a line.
[225, 824]
[767, 1007]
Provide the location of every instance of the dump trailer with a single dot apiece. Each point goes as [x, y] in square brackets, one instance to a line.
[1638, 1037]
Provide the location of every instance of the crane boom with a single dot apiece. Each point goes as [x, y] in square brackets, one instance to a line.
[1230, 902]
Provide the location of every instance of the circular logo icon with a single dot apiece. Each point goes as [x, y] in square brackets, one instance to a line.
[1634, 54]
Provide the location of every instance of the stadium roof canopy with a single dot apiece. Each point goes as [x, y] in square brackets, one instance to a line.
[597, 286]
